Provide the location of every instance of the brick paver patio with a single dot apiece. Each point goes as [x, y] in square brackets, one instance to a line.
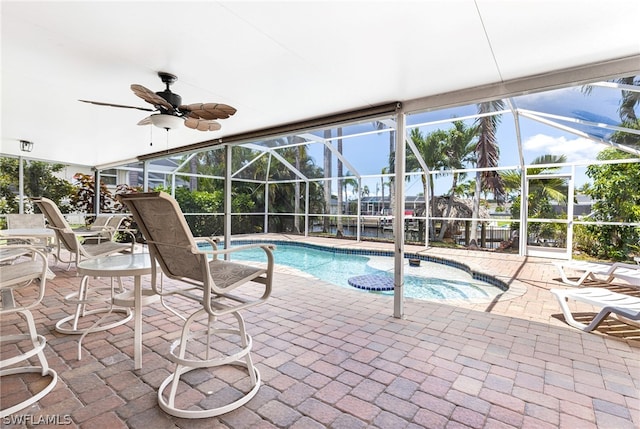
[336, 357]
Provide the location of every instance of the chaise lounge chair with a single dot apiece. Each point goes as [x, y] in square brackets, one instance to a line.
[589, 270]
[611, 302]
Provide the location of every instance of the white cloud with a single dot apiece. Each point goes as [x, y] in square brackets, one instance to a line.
[578, 149]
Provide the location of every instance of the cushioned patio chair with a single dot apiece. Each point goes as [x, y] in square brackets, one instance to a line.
[610, 302]
[29, 271]
[590, 270]
[217, 288]
[67, 238]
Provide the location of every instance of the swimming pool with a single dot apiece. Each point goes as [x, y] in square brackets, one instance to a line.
[433, 280]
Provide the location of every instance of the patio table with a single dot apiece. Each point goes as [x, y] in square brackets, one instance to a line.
[27, 233]
[135, 265]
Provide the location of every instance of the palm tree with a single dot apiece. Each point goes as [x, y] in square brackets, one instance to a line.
[300, 155]
[339, 231]
[629, 100]
[542, 192]
[626, 110]
[383, 184]
[327, 183]
[378, 125]
[487, 156]
[349, 181]
[431, 150]
[459, 150]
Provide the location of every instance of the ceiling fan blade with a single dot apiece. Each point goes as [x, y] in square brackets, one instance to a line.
[151, 97]
[145, 121]
[208, 111]
[202, 125]
[99, 103]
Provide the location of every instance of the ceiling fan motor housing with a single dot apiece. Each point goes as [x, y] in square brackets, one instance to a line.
[172, 98]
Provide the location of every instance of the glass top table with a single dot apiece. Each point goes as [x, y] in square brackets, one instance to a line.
[131, 265]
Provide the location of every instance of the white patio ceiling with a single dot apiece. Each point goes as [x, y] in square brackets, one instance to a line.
[282, 62]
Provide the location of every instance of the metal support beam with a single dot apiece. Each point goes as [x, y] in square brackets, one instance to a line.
[306, 208]
[21, 184]
[227, 198]
[96, 188]
[398, 220]
[145, 176]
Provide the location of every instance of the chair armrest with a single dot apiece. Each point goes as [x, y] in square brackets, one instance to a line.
[64, 230]
[88, 232]
[617, 265]
[264, 246]
[213, 242]
[101, 228]
[35, 255]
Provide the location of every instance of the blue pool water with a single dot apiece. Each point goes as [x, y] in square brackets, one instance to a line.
[432, 281]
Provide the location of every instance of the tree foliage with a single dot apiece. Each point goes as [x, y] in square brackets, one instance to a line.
[616, 199]
[542, 194]
[40, 180]
[84, 199]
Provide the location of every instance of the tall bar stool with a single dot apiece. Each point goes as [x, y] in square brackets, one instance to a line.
[219, 290]
[75, 243]
[30, 270]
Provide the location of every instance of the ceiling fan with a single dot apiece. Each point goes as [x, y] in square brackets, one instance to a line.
[170, 112]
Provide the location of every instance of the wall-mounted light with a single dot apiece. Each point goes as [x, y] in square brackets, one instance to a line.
[26, 146]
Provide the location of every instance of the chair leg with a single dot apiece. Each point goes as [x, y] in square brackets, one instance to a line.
[566, 311]
[186, 363]
[581, 279]
[38, 342]
[245, 343]
[70, 324]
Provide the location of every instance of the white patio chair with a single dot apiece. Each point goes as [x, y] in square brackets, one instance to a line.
[28, 221]
[106, 227]
[218, 289]
[590, 270]
[24, 273]
[74, 243]
[610, 302]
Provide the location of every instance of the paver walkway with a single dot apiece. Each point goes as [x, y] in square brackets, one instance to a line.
[336, 357]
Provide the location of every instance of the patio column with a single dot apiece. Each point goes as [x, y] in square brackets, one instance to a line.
[227, 198]
[398, 218]
[306, 208]
[145, 176]
[21, 184]
[96, 189]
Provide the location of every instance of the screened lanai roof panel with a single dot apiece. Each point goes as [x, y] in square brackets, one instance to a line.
[442, 115]
[592, 110]
[539, 139]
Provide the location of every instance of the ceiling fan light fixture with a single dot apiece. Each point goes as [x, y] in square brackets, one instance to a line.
[168, 122]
